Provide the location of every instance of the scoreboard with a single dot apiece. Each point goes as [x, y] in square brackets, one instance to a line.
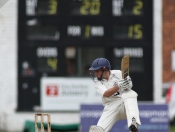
[47, 28]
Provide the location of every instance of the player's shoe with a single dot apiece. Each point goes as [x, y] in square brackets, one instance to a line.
[133, 127]
[94, 128]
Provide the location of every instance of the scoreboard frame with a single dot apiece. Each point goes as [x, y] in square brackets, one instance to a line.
[47, 27]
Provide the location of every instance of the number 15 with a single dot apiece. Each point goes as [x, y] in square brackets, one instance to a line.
[135, 31]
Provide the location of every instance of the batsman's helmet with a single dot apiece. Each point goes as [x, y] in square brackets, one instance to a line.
[100, 63]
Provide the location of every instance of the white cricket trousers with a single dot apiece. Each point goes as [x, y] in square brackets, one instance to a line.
[112, 112]
[119, 109]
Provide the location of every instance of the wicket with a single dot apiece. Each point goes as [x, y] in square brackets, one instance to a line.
[42, 122]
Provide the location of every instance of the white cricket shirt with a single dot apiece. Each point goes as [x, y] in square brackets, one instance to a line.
[103, 85]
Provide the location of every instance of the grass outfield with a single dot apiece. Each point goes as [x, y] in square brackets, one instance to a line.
[172, 129]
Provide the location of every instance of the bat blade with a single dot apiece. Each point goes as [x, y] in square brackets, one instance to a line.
[125, 66]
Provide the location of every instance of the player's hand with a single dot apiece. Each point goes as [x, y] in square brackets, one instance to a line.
[125, 83]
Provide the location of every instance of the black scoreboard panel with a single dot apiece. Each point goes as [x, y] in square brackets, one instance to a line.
[47, 28]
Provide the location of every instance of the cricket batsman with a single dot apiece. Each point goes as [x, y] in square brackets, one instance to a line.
[118, 99]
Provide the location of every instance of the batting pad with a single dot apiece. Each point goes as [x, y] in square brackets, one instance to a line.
[96, 129]
[132, 110]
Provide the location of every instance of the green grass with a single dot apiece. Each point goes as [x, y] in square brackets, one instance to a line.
[172, 128]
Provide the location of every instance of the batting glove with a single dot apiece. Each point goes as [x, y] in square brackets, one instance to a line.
[125, 84]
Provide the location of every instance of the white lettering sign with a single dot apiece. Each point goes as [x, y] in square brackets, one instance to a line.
[47, 52]
[97, 31]
[30, 7]
[133, 52]
[117, 6]
[74, 31]
[68, 93]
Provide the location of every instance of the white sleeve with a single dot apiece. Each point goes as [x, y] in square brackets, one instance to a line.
[118, 73]
[100, 88]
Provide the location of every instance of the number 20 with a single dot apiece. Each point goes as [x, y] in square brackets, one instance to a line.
[88, 7]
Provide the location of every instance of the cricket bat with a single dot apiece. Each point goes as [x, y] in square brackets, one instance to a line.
[125, 66]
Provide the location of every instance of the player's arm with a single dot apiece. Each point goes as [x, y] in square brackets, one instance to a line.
[122, 84]
[111, 91]
[103, 91]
